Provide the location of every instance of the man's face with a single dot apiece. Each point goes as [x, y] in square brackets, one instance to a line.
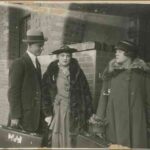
[64, 59]
[36, 48]
[120, 56]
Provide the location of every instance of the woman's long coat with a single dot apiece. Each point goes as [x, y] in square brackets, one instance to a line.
[123, 102]
[80, 97]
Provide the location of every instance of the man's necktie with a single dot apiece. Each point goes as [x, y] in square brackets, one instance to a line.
[38, 68]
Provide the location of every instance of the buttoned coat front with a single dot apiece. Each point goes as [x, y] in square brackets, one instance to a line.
[25, 93]
[123, 104]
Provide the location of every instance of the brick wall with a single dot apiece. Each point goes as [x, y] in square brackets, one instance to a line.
[51, 22]
[4, 36]
[58, 24]
[9, 50]
[62, 25]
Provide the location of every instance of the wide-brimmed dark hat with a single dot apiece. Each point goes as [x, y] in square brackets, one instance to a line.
[126, 46]
[64, 49]
[34, 36]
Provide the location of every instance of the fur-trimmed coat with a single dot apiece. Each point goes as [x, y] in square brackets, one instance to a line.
[80, 97]
[122, 106]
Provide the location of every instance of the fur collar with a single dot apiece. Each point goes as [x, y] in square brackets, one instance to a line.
[115, 68]
[74, 70]
[136, 64]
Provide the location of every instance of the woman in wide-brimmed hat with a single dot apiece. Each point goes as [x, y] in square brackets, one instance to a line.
[121, 114]
[66, 98]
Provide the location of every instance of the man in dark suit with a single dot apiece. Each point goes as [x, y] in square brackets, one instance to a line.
[25, 85]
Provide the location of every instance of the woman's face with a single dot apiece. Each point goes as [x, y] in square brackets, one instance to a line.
[120, 56]
[64, 59]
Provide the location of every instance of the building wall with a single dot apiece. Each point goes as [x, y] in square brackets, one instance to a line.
[144, 38]
[4, 36]
[62, 26]
[9, 50]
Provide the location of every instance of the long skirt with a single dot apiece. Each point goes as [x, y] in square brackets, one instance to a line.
[61, 137]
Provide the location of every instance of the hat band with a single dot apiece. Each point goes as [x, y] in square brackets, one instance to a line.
[40, 38]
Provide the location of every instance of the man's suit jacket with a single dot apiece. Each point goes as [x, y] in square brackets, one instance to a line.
[25, 93]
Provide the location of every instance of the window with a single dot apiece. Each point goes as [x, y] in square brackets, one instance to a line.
[24, 26]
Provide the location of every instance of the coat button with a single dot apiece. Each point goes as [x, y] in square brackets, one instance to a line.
[132, 93]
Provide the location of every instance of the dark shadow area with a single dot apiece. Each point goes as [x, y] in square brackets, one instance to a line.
[113, 9]
[13, 19]
[17, 30]
[73, 31]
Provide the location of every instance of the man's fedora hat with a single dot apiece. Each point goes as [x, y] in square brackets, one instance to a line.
[34, 36]
[64, 49]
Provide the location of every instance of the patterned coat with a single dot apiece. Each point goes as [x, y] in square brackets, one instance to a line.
[80, 97]
[122, 107]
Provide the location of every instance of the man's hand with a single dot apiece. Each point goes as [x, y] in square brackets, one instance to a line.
[14, 122]
[93, 119]
[48, 120]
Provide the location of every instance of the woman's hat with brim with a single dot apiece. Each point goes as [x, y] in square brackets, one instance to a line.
[34, 36]
[126, 46]
[64, 49]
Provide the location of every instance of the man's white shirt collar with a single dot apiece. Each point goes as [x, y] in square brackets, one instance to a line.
[33, 57]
